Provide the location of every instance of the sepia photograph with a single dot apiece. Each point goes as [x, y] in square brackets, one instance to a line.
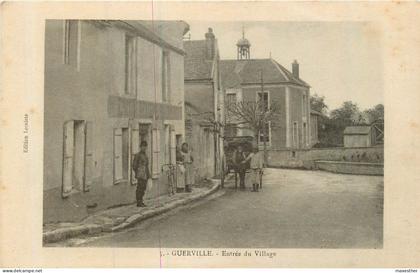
[224, 134]
[209, 134]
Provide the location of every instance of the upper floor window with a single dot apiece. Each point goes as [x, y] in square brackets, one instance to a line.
[264, 98]
[230, 98]
[166, 76]
[71, 42]
[304, 105]
[130, 65]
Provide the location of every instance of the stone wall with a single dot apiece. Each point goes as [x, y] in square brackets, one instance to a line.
[289, 158]
[347, 167]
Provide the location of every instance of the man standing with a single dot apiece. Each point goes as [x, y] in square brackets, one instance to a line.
[142, 173]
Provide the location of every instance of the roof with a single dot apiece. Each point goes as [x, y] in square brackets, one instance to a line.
[196, 64]
[143, 29]
[357, 130]
[243, 42]
[237, 72]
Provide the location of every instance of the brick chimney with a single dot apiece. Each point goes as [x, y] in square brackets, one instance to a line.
[210, 44]
[295, 69]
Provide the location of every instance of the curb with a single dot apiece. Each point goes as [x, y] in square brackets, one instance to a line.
[90, 229]
[136, 218]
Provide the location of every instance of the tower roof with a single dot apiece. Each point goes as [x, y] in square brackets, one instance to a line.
[243, 41]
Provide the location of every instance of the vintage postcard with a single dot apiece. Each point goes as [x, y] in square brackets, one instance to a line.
[220, 134]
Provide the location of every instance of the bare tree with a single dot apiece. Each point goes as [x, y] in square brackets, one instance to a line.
[255, 115]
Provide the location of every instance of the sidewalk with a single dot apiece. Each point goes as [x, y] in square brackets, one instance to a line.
[115, 219]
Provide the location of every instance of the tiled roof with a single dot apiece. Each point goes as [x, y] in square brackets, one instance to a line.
[357, 130]
[236, 72]
[196, 65]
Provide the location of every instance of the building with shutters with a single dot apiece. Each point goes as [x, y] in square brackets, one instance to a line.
[108, 85]
[204, 110]
[247, 79]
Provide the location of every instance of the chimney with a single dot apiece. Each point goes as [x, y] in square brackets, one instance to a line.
[295, 69]
[210, 44]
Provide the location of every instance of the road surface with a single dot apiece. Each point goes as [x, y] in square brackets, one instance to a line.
[295, 209]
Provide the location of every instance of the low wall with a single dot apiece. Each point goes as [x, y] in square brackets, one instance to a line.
[289, 158]
[351, 167]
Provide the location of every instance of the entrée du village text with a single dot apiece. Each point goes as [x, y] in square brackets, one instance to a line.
[224, 253]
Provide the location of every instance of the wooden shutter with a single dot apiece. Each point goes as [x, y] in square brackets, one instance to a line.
[89, 166]
[68, 155]
[135, 147]
[173, 145]
[167, 144]
[156, 152]
[118, 155]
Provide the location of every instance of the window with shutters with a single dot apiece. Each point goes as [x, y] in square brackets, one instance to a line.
[295, 135]
[304, 105]
[71, 42]
[130, 65]
[264, 98]
[265, 133]
[156, 153]
[166, 84]
[230, 99]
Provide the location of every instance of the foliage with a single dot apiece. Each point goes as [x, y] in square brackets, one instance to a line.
[331, 128]
[318, 104]
[375, 113]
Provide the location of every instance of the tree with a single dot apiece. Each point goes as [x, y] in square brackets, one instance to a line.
[375, 113]
[348, 114]
[318, 104]
[256, 115]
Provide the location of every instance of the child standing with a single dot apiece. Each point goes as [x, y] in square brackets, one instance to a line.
[257, 164]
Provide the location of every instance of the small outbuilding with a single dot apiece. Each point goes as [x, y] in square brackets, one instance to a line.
[358, 136]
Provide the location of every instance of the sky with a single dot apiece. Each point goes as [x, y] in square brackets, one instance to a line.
[339, 60]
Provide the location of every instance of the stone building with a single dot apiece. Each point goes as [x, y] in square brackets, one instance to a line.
[204, 109]
[247, 79]
[108, 85]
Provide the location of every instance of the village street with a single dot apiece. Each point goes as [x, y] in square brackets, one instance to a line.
[295, 209]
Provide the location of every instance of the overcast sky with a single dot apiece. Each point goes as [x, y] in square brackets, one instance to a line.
[339, 60]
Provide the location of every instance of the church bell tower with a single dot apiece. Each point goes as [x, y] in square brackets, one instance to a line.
[244, 46]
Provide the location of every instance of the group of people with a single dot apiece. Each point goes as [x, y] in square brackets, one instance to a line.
[141, 170]
[253, 161]
[242, 161]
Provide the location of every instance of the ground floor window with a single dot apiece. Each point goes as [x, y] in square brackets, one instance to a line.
[295, 135]
[265, 133]
[121, 154]
[77, 156]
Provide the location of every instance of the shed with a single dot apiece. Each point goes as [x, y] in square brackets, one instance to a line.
[358, 136]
